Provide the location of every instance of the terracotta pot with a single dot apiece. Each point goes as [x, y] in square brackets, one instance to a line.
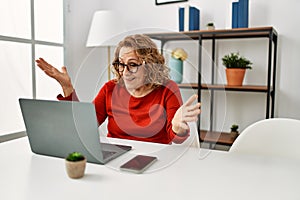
[75, 169]
[235, 76]
[234, 134]
[210, 27]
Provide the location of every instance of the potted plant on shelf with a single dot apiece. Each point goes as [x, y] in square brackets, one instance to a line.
[210, 26]
[236, 66]
[234, 131]
[75, 165]
[178, 55]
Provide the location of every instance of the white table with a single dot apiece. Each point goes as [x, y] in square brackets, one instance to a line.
[220, 175]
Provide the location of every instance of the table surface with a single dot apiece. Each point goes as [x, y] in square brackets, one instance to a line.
[182, 172]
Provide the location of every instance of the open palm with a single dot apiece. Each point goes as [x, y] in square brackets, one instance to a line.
[188, 112]
[61, 76]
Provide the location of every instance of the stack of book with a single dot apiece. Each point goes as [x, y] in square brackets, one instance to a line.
[189, 18]
[240, 12]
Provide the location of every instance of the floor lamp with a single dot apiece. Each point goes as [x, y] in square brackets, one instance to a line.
[104, 27]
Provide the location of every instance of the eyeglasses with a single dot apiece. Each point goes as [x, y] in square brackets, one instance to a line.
[131, 67]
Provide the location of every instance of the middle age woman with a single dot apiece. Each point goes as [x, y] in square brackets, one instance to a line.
[141, 102]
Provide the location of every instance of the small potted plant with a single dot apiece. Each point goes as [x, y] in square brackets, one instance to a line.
[236, 66]
[75, 165]
[178, 55]
[234, 130]
[210, 26]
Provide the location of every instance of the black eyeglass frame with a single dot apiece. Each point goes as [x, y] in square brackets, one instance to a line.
[129, 67]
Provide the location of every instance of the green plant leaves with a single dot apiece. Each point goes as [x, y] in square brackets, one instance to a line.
[234, 60]
[75, 156]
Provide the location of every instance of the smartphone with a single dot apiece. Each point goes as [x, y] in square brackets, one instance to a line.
[138, 164]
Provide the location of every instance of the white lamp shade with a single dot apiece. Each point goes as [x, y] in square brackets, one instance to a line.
[104, 27]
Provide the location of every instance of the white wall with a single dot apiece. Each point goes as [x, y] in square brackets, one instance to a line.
[244, 108]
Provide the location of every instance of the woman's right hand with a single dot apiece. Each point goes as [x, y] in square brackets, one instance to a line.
[62, 77]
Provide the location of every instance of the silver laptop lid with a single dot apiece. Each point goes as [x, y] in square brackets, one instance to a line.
[57, 128]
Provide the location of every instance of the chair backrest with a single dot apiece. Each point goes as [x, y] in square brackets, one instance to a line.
[270, 137]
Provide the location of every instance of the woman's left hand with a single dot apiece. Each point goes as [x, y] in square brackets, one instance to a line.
[188, 112]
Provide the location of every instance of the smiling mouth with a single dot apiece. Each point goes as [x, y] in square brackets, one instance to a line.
[129, 78]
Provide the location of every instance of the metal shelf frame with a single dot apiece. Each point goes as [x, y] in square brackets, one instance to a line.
[238, 33]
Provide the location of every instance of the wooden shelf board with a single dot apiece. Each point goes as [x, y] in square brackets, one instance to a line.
[249, 88]
[217, 33]
[216, 137]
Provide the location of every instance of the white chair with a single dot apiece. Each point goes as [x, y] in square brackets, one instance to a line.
[270, 137]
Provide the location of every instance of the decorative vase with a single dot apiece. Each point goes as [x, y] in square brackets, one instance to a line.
[235, 76]
[75, 169]
[176, 67]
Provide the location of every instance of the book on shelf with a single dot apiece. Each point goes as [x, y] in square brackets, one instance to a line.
[181, 19]
[235, 10]
[243, 13]
[194, 19]
[189, 18]
[240, 14]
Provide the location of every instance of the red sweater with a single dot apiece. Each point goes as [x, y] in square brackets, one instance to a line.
[146, 118]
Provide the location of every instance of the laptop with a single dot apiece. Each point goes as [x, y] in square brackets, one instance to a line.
[57, 128]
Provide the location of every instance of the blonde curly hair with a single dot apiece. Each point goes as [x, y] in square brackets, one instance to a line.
[157, 72]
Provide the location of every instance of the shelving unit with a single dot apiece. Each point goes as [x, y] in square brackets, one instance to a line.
[214, 35]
